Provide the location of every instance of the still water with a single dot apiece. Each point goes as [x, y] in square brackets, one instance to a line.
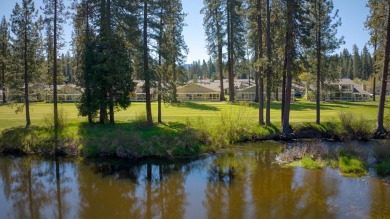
[238, 183]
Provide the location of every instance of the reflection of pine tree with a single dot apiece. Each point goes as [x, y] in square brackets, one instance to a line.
[379, 195]
[25, 40]
[228, 180]
[5, 175]
[37, 188]
[103, 196]
[171, 196]
[216, 200]
[58, 187]
[271, 188]
[316, 190]
[28, 193]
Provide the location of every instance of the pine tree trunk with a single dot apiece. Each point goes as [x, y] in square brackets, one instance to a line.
[108, 32]
[318, 42]
[284, 79]
[159, 100]
[230, 7]
[88, 69]
[159, 97]
[257, 80]
[3, 80]
[111, 108]
[220, 63]
[55, 78]
[374, 77]
[146, 66]
[3, 73]
[269, 69]
[288, 63]
[286, 111]
[26, 100]
[261, 101]
[380, 128]
[220, 69]
[260, 49]
[174, 89]
[103, 110]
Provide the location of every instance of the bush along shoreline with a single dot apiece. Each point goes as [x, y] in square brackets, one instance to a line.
[137, 140]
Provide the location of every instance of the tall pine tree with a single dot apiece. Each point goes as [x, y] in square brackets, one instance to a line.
[236, 45]
[4, 55]
[385, 71]
[323, 41]
[54, 18]
[25, 27]
[214, 22]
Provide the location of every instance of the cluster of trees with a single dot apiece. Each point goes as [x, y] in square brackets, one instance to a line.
[352, 65]
[378, 23]
[201, 70]
[115, 41]
[27, 55]
[286, 38]
[276, 39]
[118, 40]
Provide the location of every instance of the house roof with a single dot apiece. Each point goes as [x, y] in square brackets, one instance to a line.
[344, 81]
[251, 89]
[196, 88]
[215, 85]
[65, 89]
[356, 87]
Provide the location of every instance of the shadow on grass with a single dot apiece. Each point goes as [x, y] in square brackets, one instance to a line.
[360, 104]
[197, 106]
[296, 106]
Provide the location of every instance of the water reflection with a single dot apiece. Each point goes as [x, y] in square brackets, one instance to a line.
[238, 183]
[35, 188]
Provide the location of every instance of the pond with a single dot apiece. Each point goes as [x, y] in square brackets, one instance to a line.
[243, 182]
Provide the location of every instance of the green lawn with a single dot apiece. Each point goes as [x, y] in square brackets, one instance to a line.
[210, 112]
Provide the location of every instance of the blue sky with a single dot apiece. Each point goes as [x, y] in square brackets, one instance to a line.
[353, 13]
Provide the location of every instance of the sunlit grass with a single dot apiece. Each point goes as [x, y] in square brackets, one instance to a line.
[210, 112]
[350, 166]
[308, 163]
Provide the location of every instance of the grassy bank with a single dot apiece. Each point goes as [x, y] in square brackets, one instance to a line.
[135, 139]
[188, 128]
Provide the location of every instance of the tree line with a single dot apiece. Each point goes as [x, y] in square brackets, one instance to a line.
[286, 38]
[116, 41]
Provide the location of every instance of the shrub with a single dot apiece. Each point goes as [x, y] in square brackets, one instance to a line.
[355, 128]
[140, 120]
[383, 168]
[308, 163]
[237, 126]
[62, 120]
[38, 140]
[312, 130]
[350, 166]
[387, 121]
